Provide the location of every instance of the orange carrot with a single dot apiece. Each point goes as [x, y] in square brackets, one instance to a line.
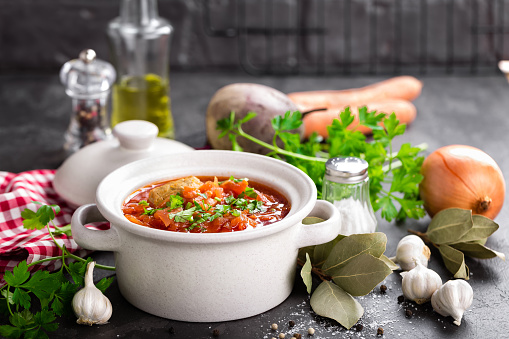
[318, 121]
[401, 87]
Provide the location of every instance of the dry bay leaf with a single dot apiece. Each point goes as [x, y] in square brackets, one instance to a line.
[331, 301]
[476, 250]
[389, 263]
[454, 260]
[361, 274]
[449, 225]
[311, 220]
[305, 273]
[321, 252]
[482, 228]
[306, 251]
[352, 246]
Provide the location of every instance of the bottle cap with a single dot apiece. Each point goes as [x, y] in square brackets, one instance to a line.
[346, 170]
[87, 77]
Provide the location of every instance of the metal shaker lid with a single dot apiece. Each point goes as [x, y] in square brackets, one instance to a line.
[87, 77]
[347, 170]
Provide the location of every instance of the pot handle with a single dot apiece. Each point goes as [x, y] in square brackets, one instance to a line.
[320, 233]
[91, 239]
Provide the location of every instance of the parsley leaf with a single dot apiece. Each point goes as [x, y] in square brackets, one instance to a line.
[42, 284]
[18, 275]
[104, 283]
[288, 122]
[38, 220]
[386, 204]
[371, 119]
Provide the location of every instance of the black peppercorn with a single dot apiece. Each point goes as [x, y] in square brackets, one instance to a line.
[383, 288]
[291, 323]
[408, 313]
[171, 330]
[401, 299]
[297, 336]
[215, 333]
[380, 331]
[359, 327]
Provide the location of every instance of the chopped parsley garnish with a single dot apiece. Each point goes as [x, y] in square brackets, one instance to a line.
[183, 216]
[234, 180]
[150, 211]
[176, 201]
[249, 192]
[196, 213]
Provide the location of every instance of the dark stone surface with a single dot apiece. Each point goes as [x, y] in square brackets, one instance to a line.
[451, 110]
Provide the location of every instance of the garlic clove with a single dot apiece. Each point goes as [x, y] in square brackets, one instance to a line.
[90, 305]
[452, 299]
[410, 247]
[420, 283]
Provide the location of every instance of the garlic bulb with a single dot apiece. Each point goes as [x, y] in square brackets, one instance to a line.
[420, 283]
[453, 298]
[90, 305]
[411, 247]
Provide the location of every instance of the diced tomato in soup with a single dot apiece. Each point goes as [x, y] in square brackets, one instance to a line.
[205, 205]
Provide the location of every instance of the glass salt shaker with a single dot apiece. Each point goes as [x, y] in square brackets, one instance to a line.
[88, 81]
[346, 186]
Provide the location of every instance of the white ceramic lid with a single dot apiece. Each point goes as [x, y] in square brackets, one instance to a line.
[76, 180]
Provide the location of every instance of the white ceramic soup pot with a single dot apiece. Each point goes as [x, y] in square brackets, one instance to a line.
[206, 277]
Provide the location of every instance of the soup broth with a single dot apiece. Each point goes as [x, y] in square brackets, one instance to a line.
[205, 204]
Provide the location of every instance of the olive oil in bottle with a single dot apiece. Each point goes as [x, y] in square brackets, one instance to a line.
[143, 98]
[140, 45]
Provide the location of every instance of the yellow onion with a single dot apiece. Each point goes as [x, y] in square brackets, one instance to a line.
[464, 177]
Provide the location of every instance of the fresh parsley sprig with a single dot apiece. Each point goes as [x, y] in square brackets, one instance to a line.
[394, 177]
[31, 304]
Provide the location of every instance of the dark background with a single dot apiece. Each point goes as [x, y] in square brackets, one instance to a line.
[273, 36]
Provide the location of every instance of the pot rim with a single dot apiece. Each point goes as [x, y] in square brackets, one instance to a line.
[174, 166]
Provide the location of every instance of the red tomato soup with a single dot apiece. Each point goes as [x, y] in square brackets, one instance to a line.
[205, 205]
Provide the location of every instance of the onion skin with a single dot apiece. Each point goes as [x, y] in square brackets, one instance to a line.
[464, 177]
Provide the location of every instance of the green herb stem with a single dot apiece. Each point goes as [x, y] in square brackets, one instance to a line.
[277, 149]
[52, 237]
[69, 254]
[397, 164]
[104, 267]
[7, 299]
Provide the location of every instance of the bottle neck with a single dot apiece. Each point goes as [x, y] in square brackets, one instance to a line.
[138, 12]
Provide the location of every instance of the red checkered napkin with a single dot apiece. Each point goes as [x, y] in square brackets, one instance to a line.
[17, 192]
